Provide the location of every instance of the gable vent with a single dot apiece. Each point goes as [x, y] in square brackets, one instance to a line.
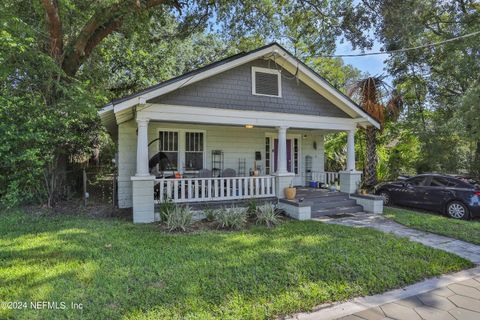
[266, 83]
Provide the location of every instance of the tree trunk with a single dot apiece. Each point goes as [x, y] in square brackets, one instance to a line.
[371, 157]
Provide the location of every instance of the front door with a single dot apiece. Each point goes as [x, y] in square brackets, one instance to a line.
[289, 155]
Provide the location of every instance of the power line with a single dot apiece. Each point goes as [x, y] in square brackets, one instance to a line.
[404, 49]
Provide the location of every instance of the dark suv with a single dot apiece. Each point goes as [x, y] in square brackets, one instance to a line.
[458, 198]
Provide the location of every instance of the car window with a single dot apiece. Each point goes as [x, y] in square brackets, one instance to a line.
[442, 182]
[417, 181]
[467, 183]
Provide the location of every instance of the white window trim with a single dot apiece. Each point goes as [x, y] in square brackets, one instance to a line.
[290, 136]
[182, 147]
[271, 71]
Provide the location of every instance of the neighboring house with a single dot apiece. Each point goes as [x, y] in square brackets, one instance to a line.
[262, 112]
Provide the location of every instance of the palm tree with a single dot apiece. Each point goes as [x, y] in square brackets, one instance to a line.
[378, 99]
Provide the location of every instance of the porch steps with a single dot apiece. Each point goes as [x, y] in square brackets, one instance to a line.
[329, 202]
[336, 210]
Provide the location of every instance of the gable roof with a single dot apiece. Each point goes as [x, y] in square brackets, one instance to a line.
[282, 57]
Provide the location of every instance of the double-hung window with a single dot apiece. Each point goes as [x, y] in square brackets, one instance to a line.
[168, 146]
[194, 151]
[181, 150]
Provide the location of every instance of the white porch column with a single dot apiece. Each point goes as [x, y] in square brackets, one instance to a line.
[282, 150]
[350, 178]
[142, 148]
[142, 182]
[351, 150]
[284, 178]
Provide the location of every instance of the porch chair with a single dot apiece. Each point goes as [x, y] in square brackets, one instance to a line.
[229, 173]
[204, 173]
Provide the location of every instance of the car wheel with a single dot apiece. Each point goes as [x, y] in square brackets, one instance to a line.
[387, 199]
[457, 210]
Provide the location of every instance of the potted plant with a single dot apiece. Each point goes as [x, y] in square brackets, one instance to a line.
[290, 192]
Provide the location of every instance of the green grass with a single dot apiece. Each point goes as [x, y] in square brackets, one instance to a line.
[459, 229]
[120, 270]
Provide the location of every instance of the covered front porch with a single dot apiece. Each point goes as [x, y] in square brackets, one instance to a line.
[210, 157]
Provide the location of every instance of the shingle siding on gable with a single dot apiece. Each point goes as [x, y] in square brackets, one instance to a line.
[232, 89]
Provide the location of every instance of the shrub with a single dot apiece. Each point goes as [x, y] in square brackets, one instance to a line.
[209, 214]
[252, 207]
[179, 218]
[165, 208]
[267, 214]
[231, 218]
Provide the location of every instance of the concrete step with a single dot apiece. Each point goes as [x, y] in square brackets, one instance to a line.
[317, 205]
[331, 211]
[321, 195]
[319, 192]
[336, 198]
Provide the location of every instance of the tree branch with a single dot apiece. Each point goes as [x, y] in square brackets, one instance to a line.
[55, 28]
[100, 25]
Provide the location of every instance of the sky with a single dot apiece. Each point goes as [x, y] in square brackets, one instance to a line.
[374, 65]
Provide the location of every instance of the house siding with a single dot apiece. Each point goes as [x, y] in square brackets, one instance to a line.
[235, 142]
[232, 89]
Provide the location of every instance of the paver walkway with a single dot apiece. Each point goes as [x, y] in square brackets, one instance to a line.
[452, 296]
[463, 249]
[457, 301]
[449, 297]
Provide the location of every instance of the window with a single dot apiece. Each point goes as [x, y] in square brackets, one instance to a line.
[267, 155]
[168, 146]
[442, 182]
[417, 181]
[181, 150]
[193, 151]
[266, 82]
[295, 155]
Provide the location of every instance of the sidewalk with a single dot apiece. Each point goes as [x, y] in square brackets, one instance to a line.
[451, 297]
[455, 297]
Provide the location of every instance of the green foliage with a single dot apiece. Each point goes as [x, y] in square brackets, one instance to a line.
[439, 83]
[336, 151]
[468, 231]
[209, 214]
[166, 208]
[178, 218]
[252, 206]
[267, 214]
[35, 137]
[340, 75]
[122, 271]
[231, 218]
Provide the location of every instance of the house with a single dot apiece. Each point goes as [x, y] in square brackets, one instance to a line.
[244, 127]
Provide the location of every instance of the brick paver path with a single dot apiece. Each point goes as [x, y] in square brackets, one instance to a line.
[457, 301]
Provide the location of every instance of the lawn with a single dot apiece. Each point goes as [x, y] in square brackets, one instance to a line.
[119, 270]
[459, 229]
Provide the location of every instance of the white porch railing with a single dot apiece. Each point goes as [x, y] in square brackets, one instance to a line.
[208, 189]
[326, 177]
